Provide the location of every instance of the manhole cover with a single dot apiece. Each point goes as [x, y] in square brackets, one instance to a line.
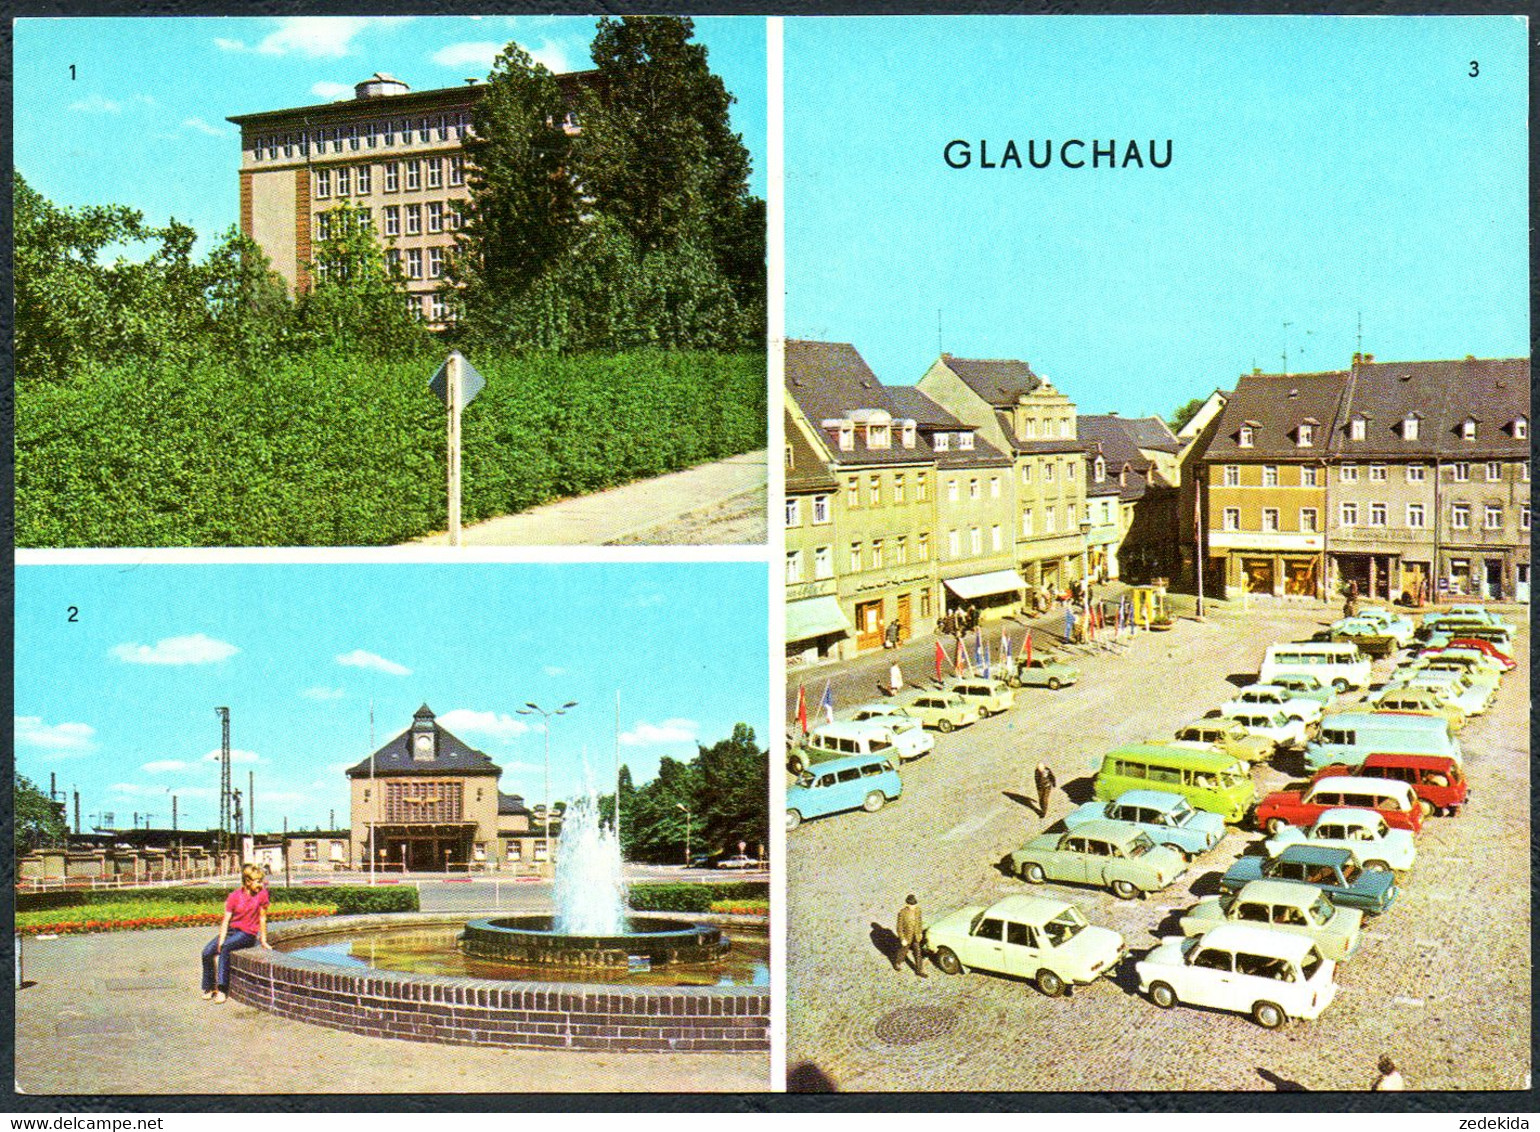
[912, 1024]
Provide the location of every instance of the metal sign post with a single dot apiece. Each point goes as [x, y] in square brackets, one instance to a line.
[456, 384]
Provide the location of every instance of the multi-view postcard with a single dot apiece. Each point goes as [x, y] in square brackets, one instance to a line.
[1157, 554]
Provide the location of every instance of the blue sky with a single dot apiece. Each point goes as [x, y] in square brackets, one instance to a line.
[142, 122]
[1321, 167]
[121, 702]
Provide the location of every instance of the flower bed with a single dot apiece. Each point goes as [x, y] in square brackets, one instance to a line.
[741, 907]
[36, 924]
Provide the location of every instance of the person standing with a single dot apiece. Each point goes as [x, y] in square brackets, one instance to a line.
[244, 925]
[895, 679]
[1045, 781]
[911, 935]
[1389, 1080]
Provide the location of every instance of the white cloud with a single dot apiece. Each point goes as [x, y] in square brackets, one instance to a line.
[552, 55]
[193, 649]
[96, 104]
[655, 734]
[317, 37]
[332, 92]
[64, 739]
[461, 55]
[319, 693]
[203, 127]
[163, 766]
[236, 756]
[500, 725]
[358, 658]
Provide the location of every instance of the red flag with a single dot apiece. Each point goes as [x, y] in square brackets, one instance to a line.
[802, 708]
[960, 664]
[940, 659]
[1026, 651]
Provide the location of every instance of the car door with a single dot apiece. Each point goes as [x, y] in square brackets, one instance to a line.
[988, 944]
[1211, 978]
[1070, 860]
[1022, 953]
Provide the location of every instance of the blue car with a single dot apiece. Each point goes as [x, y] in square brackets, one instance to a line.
[1334, 871]
[865, 782]
[1169, 819]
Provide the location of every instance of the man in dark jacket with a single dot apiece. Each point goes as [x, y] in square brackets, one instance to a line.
[1045, 781]
[911, 934]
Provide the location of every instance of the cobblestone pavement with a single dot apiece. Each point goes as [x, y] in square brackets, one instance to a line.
[1441, 982]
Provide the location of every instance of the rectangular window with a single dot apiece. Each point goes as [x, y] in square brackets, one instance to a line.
[820, 508]
[953, 544]
[853, 493]
[941, 441]
[392, 220]
[288, 145]
[1356, 429]
[413, 175]
[793, 567]
[975, 541]
[823, 562]
[1492, 517]
[1269, 475]
[436, 305]
[1416, 473]
[855, 558]
[1048, 470]
[996, 538]
[1069, 465]
[435, 173]
[435, 216]
[1377, 514]
[973, 489]
[1307, 475]
[457, 170]
[1232, 475]
[898, 487]
[1524, 517]
[1460, 516]
[443, 127]
[901, 550]
[1026, 473]
[921, 487]
[371, 134]
[353, 137]
[1462, 473]
[876, 554]
[1232, 519]
[1524, 471]
[952, 495]
[1377, 473]
[1309, 520]
[1416, 518]
[1050, 520]
[364, 188]
[388, 135]
[994, 487]
[1247, 436]
[1269, 518]
[424, 130]
[874, 490]
[1494, 471]
[924, 546]
[414, 220]
[1026, 522]
[1349, 473]
[337, 140]
[435, 263]
[323, 183]
[344, 181]
[965, 441]
[1350, 514]
[1306, 435]
[392, 176]
[323, 226]
[794, 512]
[414, 263]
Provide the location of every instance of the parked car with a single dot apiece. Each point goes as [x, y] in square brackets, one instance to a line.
[1109, 854]
[1307, 687]
[1043, 672]
[1338, 663]
[1348, 736]
[1478, 670]
[1287, 906]
[1479, 612]
[1271, 975]
[1273, 698]
[740, 861]
[1208, 778]
[872, 737]
[1502, 657]
[1437, 780]
[1397, 625]
[1335, 871]
[942, 710]
[1407, 700]
[863, 782]
[1301, 803]
[990, 696]
[1271, 724]
[1370, 636]
[1479, 658]
[909, 732]
[1229, 736]
[1470, 698]
[1169, 819]
[1031, 937]
[1364, 833]
[1499, 635]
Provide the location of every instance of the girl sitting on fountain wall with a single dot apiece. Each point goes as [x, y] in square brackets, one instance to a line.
[244, 925]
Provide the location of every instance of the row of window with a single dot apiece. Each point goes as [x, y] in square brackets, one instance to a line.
[1348, 473]
[1378, 515]
[898, 493]
[358, 180]
[1063, 428]
[363, 135]
[821, 513]
[1411, 429]
[878, 554]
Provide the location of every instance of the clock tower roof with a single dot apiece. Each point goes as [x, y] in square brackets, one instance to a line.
[450, 755]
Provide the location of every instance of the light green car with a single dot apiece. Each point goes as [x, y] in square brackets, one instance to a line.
[1287, 906]
[942, 710]
[1110, 854]
[1043, 672]
[1031, 937]
[990, 696]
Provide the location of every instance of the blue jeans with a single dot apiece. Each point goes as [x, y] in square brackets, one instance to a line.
[235, 940]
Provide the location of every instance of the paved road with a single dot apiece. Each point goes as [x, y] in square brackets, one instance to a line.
[1442, 982]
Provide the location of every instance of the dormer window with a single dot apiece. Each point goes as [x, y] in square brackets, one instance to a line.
[1031, 428]
[1306, 435]
[1410, 426]
[1099, 469]
[847, 437]
[1248, 436]
[1123, 476]
[877, 436]
[908, 434]
[965, 441]
[1521, 428]
[1468, 428]
[1064, 429]
[941, 441]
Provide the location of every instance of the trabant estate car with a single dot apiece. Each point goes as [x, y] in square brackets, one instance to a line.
[864, 782]
[1109, 854]
[1269, 974]
[1338, 663]
[1480, 612]
[1406, 700]
[1444, 624]
[1230, 737]
[1286, 905]
[1335, 871]
[1273, 698]
[1364, 833]
[1397, 625]
[1435, 779]
[910, 732]
[1307, 688]
[1272, 724]
[1169, 819]
[1043, 672]
[942, 710]
[871, 737]
[1031, 937]
[1301, 803]
[991, 697]
[1208, 779]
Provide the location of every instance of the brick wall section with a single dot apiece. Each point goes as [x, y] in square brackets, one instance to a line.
[248, 219]
[302, 250]
[482, 1012]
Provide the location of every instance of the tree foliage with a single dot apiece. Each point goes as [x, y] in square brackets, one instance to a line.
[1184, 413]
[38, 820]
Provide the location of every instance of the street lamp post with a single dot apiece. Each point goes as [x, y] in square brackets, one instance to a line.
[536, 709]
[686, 810]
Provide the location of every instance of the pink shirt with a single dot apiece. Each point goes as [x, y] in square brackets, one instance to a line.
[243, 907]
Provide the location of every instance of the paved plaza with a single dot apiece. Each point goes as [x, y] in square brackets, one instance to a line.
[1441, 981]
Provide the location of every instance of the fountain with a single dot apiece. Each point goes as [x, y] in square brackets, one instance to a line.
[590, 927]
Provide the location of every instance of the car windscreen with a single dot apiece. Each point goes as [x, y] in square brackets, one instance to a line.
[1139, 846]
[1064, 927]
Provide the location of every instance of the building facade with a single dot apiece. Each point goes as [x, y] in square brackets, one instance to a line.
[816, 625]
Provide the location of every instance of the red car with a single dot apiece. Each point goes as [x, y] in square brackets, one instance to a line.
[1486, 647]
[1435, 779]
[1300, 803]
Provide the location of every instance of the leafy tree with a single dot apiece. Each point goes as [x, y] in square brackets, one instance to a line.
[733, 774]
[249, 308]
[358, 303]
[1180, 416]
[38, 820]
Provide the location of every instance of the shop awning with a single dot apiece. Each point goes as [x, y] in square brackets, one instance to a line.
[814, 617]
[978, 585]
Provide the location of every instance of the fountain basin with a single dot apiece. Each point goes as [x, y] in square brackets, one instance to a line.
[533, 940]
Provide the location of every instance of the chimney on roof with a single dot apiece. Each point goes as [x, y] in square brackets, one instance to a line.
[1368, 359]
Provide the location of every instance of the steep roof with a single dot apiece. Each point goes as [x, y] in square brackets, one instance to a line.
[511, 804]
[808, 471]
[1152, 433]
[1114, 438]
[452, 757]
[999, 381]
[1274, 406]
[931, 418]
[831, 381]
[1492, 391]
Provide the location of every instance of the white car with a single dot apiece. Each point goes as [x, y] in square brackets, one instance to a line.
[1031, 937]
[738, 862]
[1269, 974]
[1272, 724]
[1396, 625]
[1364, 833]
[1452, 686]
[1271, 697]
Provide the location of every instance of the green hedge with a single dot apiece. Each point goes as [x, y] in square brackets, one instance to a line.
[693, 897]
[330, 451]
[349, 899]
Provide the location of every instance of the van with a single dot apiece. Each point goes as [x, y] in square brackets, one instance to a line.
[1437, 780]
[866, 737]
[866, 783]
[1338, 663]
[1349, 736]
[1218, 783]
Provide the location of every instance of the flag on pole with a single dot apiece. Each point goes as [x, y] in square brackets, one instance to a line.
[827, 703]
[989, 665]
[940, 660]
[978, 649]
[802, 708]
[960, 661]
[1005, 649]
[1026, 649]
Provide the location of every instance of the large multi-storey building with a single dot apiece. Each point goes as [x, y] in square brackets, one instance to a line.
[1131, 496]
[396, 153]
[815, 623]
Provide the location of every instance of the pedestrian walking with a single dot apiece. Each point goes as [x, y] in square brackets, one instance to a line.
[911, 932]
[244, 925]
[1045, 781]
[895, 679]
[1389, 1080]
[891, 639]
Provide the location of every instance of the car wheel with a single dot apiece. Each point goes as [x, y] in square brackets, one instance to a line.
[1032, 873]
[1053, 683]
[793, 819]
[1426, 806]
[1049, 983]
[797, 765]
[1377, 866]
[1124, 889]
[1162, 995]
[1340, 685]
[1275, 826]
[1268, 1015]
[944, 726]
[947, 960]
[874, 802]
